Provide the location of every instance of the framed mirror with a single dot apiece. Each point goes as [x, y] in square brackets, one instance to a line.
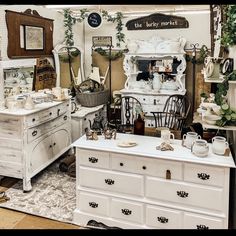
[69, 65]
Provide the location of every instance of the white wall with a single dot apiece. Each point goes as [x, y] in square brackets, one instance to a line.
[198, 32]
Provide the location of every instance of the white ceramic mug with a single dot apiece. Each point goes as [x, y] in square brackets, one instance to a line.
[167, 136]
[66, 92]
[200, 148]
[189, 138]
[57, 92]
[219, 145]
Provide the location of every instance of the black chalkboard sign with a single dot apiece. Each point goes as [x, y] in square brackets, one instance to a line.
[94, 20]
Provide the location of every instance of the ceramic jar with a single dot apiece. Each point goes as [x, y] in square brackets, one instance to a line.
[219, 145]
[189, 138]
[200, 148]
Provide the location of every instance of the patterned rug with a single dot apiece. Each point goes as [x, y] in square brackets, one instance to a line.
[52, 195]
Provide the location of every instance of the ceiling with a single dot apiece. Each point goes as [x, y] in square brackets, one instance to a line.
[134, 9]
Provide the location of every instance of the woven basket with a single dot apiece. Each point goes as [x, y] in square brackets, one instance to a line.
[93, 99]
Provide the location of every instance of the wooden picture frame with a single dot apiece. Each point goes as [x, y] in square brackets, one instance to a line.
[19, 46]
[33, 37]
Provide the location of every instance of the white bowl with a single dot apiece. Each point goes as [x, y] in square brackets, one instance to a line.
[211, 119]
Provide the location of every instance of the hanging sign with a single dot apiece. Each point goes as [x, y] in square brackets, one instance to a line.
[100, 41]
[157, 21]
[94, 20]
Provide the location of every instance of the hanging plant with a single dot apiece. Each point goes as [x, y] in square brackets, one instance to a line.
[119, 27]
[228, 37]
[114, 54]
[203, 53]
[69, 21]
[72, 54]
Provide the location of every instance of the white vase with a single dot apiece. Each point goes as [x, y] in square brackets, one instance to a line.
[156, 82]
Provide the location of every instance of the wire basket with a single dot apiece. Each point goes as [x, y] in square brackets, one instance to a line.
[92, 99]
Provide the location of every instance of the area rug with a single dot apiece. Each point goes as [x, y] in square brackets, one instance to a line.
[53, 195]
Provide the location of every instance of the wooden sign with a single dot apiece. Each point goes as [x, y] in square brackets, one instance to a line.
[157, 21]
[99, 41]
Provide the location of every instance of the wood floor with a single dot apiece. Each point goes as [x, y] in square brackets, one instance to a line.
[10, 219]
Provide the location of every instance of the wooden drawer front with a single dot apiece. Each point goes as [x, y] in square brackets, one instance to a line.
[173, 191]
[10, 127]
[36, 132]
[204, 174]
[195, 221]
[106, 180]
[127, 210]
[163, 218]
[147, 166]
[41, 117]
[93, 158]
[95, 204]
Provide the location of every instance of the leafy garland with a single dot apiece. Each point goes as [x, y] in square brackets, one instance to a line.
[228, 37]
[70, 20]
[203, 53]
[113, 56]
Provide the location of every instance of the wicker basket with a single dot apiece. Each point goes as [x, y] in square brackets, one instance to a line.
[93, 99]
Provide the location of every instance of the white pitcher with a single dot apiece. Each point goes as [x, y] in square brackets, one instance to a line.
[219, 145]
[156, 82]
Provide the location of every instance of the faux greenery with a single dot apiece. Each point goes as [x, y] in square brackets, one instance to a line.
[203, 53]
[70, 20]
[114, 54]
[228, 37]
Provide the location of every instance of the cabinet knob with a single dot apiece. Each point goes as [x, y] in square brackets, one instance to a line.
[50, 113]
[182, 194]
[50, 146]
[202, 227]
[54, 144]
[144, 167]
[109, 181]
[93, 204]
[65, 117]
[162, 219]
[33, 119]
[34, 132]
[203, 176]
[121, 164]
[126, 211]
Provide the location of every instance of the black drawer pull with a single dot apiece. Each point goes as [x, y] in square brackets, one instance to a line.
[65, 117]
[121, 164]
[109, 181]
[203, 176]
[50, 146]
[144, 167]
[162, 219]
[182, 194]
[126, 211]
[34, 132]
[33, 119]
[202, 227]
[93, 204]
[93, 159]
[54, 144]
[50, 113]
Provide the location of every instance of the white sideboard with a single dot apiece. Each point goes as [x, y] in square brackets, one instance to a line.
[141, 187]
[30, 140]
[80, 120]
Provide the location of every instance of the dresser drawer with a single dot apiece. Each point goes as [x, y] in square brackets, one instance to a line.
[196, 221]
[204, 174]
[184, 193]
[37, 131]
[93, 158]
[111, 181]
[93, 203]
[127, 210]
[62, 108]
[155, 167]
[163, 218]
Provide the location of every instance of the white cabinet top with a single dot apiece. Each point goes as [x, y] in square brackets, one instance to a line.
[24, 112]
[146, 147]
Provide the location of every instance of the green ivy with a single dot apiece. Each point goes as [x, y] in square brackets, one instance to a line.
[114, 54]
[203, 53]
[228, 37]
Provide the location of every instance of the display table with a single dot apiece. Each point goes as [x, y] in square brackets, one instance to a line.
[142, 187]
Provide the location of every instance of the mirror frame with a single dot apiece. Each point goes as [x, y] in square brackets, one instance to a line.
[56, 52]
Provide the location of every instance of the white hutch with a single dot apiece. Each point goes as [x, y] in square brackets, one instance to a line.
[170, 64]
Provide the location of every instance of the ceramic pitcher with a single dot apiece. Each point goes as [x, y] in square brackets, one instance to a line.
[219, 145]
[189, 138]
[156, 83]
[200, 148]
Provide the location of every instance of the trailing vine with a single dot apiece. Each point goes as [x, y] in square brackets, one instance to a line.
[203, 53]
[228, 37]
[119, 27]
[70, 20]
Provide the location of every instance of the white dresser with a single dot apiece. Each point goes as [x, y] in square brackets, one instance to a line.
[81, 119]
[30, 140]
[141, 187]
